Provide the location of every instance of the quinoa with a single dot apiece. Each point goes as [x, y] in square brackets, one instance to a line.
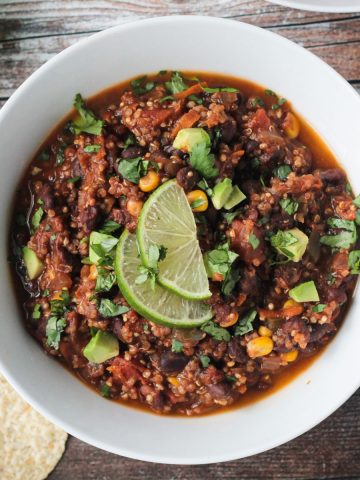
[76, 185]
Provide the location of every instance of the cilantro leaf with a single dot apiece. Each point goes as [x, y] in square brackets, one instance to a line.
[289, 206]
[133, 169]
[356, 201]
[105, 280]
[54, 328]
[230, 216]
[203, 184]
[205, 361]
[176, 346]
[343, 239]
[203, 161]
[220, 89]
[101, 247]
[282, 171]
[105, 390]
[176, 83]
[139, 87]
[319, 308]
[36, 218]
[109, 227]
[86, 122]
[155, 255]
[219, 260]
[197, 203]
[254, 241]
[74, 179]
[282, 240]
[107, 308]
[92, 148]
[217, 332]
[245, 324]
[230, 280]
[354, 262]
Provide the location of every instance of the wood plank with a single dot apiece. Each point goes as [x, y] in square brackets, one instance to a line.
[29, 19]
[329, 451]
[19, 58]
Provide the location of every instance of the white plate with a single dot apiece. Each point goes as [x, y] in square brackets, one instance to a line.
[322, 5]
[194, 43]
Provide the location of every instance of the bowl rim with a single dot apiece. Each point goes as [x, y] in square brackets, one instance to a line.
[310, 7]
[82, 435]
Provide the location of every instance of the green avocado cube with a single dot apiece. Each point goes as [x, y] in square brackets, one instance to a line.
[102, 346]
[187, 138]
[34, 265]
[305, 292]
[236, 197]
[221, 193]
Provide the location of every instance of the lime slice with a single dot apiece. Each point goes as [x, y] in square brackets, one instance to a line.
[166, 219]
[159, 305]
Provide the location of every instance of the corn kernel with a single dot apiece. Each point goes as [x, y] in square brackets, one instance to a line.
[93, 272]
[57, 296]
[149, 182]
[174, 381]
[230, 320]
[259, 347]
[264, 331]
[290, 356]
[291, 125]
[290, 303]
[134, 207]
[198, 200]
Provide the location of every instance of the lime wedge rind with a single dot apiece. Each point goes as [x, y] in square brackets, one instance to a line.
[175, 228]
[159, 305]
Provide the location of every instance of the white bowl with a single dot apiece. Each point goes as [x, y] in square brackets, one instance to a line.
[325, 99]
[322, 5]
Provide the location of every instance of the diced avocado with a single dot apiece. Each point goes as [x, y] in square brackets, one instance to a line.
[221, 193]
[188, 137]
[305, 292]
[296, 250]
[33, 264]
[236, 196]
[102, 346]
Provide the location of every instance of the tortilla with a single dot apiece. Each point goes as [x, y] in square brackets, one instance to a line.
[30, 446]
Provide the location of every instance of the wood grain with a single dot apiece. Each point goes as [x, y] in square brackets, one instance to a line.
[329, 451]
[33, 31]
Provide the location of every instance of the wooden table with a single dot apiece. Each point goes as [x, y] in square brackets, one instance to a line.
[31, 32]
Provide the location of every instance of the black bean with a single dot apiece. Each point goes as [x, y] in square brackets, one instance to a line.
[220, 390]
[228, 130]
[236, 351]
[132, 152]
[187, 178]
[172, 363]
[333, 175]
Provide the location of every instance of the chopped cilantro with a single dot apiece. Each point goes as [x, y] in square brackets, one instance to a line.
[257, 102]
[219, 260]
[60, 157]
[109, 227]
[155, 255]
[86, 122]
[356, 201]
[270, 92]
[229, 217]
[101, 248]
[133, 169]
[345, 238]
[167, 98]
[36, 218]
[217, 332]
[36, 314]
[197, 203]
[203, 161]
[205, 186]
[46, 292]
[92, 148]
[44, 156]
[354, 262]
[107, 308]
[105, 390]
[54, 328]
[289, 206]
[196, 99]
[245, 324]
[130, 140]
[176, 83]
[139, 87]
[230, 280]
[282, 171]
[282, 240]
[319, 308]
[74, 179]
[176, 346]
[205, 360]
[220, 89]
[254, 241]
[105, 280]
[277, 105]
[231, 378]
[331, 278]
